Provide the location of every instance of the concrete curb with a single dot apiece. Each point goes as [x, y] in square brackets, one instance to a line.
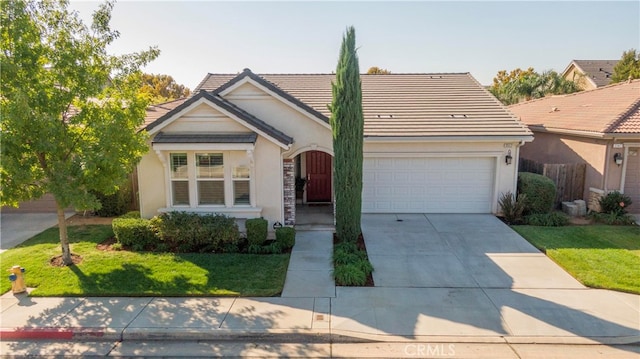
[59, 333]
[285, 336]
[214, 334]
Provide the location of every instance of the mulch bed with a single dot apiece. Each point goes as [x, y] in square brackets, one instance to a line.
[57, 260]
[363, 247]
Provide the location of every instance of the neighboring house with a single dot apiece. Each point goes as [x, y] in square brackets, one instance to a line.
[437, 143]
[599, 127]
[43, 204]
[590, 74]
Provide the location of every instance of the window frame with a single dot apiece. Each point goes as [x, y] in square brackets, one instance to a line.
[173, 179]
[229, 162]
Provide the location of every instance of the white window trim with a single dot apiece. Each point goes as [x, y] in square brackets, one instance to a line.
[242, 210]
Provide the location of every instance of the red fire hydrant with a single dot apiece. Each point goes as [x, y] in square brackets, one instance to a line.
[17, 280]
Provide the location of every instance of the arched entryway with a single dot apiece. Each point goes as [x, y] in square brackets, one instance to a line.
[314, 189]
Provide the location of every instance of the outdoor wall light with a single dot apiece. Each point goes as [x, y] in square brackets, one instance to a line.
[508, 158]
[617, 158]
[277, 225]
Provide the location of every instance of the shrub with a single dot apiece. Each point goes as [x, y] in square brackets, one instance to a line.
[614, 209]
[615, 202]
[613, 218]
[112, 205]
[552, 219]
[350, 275]
[512, 208]
[351, 265]
[131, 214]
[286, 237]
[540, 193]
[134, 233]
[257, 230]
[191, 232]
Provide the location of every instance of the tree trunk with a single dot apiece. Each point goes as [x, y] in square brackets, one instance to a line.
[64, 239]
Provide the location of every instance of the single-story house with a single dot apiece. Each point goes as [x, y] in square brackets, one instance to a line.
[590, 74]
[598, 127]
[433, 143]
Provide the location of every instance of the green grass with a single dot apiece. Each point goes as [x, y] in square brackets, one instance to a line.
[124, 273]
[599, 256]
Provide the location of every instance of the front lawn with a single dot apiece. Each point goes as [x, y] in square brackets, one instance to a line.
[599, 256]
[125, 273]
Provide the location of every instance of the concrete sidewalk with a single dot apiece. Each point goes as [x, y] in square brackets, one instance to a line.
[453, 315]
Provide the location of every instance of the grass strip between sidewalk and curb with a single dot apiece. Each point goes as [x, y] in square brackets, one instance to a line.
[599, 256]
[126, 273]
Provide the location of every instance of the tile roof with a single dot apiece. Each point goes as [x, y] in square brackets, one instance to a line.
[606, 110]
[205, 138]
[403, 105]
[154, 112]
[225, 105]
[599, 71]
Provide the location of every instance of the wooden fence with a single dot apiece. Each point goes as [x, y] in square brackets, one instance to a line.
[568, 177]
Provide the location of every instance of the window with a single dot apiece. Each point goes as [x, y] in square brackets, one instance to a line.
[179, 179]
[241, 179]
[210, 178]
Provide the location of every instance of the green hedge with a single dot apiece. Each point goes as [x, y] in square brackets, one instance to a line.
[551, 219]
[135, 233]
[540, 193]
[191, 232]
[257, 229]
[286, 237]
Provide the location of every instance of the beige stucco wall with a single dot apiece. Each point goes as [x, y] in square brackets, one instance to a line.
[308, 134]
[151, 184]
[505, 175]
[555, 148]
[577, 76]
[268, 180]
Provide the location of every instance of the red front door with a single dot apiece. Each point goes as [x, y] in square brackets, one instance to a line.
[318, 177]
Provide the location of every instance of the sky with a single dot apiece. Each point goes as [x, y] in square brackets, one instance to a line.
[198, 37]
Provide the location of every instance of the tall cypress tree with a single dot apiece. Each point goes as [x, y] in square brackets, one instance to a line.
[347, 124]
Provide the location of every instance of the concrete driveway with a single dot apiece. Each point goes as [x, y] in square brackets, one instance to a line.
[456, 251]
[451, 276]
[16, 228]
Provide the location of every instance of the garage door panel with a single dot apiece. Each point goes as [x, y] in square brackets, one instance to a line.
[428, 185]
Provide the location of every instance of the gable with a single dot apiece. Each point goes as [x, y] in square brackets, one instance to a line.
[250, 85]
[204, 118]
[224, 107]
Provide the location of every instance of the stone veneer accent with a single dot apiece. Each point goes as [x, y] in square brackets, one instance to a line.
[289, 182]
[594, 199]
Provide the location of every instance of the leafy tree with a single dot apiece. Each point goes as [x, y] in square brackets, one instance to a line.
[375, 70]
[519, 85]
[627, 67]
[162, 88]
[347, 123]
[70, 110]
[503, 77]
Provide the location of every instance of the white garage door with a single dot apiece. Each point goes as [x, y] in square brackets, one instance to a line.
[428, 185]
